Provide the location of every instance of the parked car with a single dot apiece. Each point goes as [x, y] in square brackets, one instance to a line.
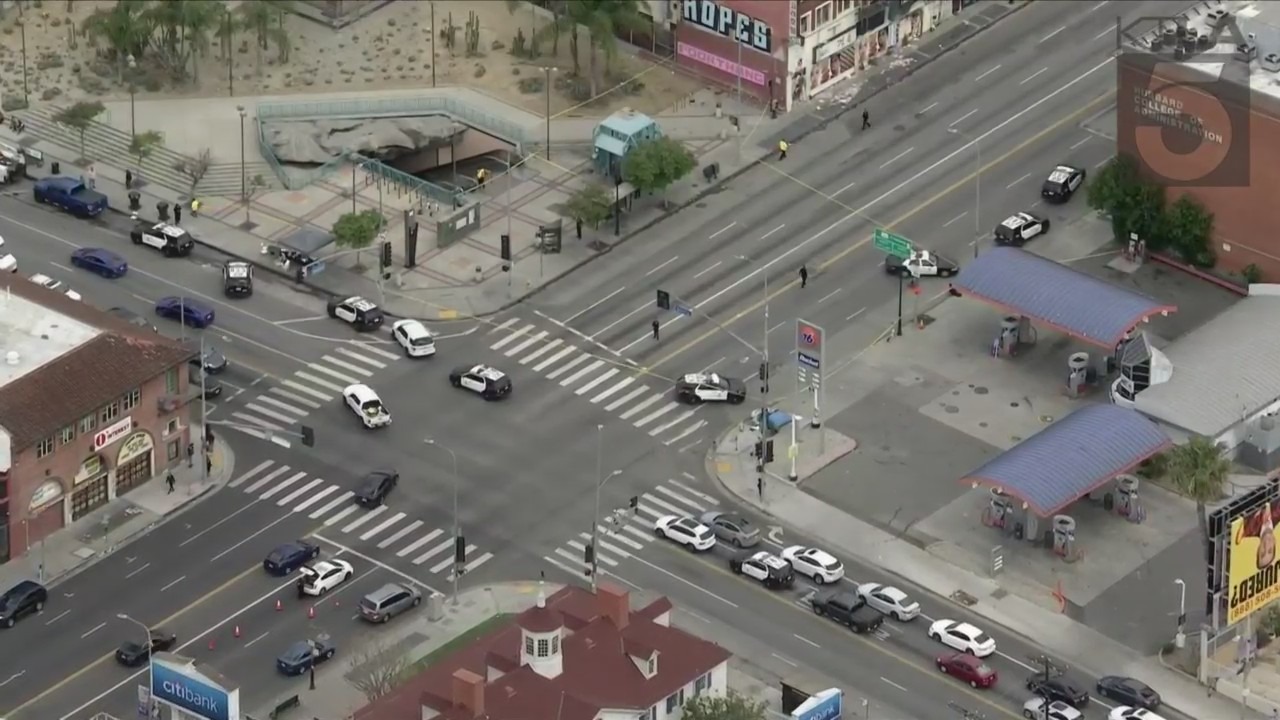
[26, 598]
[69, 195]
[846, 608]
[303, 655]
[132, 653]
[290, 556]
[388, 601]
[1128, 691]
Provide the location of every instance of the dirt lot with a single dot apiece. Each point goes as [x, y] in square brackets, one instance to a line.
[390, 48]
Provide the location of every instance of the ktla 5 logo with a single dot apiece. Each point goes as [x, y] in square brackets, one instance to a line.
[1184, 98]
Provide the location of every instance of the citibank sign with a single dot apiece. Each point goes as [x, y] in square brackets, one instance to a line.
[184, 687]
[729, 23]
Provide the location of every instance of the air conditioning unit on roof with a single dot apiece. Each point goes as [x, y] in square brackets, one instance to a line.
[1270, 62]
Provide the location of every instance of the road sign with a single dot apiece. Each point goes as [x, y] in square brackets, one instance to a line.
[889, 242]
[683, 309]
[809, 338]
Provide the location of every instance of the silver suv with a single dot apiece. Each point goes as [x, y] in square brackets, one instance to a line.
[388, 601]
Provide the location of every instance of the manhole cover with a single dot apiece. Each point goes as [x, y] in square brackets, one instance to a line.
[980, 390]
[964, 598]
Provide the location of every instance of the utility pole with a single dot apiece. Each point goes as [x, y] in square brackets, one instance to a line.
[204, 420]
[457, 527]
[595, 521]
[764, 374]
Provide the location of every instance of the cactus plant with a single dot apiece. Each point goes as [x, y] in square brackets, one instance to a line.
[473, 34]
[517, 45]
[449, 33]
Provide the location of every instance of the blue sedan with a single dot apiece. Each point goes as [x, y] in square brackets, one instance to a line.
[302, 656]
[188, 311]
[289, 557]
[100, 262]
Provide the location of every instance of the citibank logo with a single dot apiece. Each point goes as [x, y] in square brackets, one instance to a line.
[190, 697]
[173, 686]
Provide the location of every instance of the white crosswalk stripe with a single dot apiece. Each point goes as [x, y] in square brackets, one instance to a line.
[627, 398]
[659, 502]
[505, 324]
[321, 368]
[304, 389]
[419, 542]
[365, 518]
[656, 414]
[324, 510]
[347, 366]
[267, 479]
[337, 518]
[292, 397]
[571, 364]
[254, 420]
[395, 536]
[685, 433]
[284, 406]
[606, 393]
[554, 358]
[696, 506]
[447, 544]
[286, 419]
[524, 345]
[658, 430]
[581, 373]
[510, 337]
[377, 529]
[370, 347]
[317, 381]
[640, 407]
[472, 564]
[555, 343]
[298, 493]
[251, 473]
[445, 563]
[320, 495]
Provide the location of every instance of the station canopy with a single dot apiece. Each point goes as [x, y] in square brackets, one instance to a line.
[1072, 457]
[1071, 301]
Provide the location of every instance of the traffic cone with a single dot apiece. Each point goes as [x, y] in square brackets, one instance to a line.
[311, 613]
[236, 632]
[212, 643]
[279, 605]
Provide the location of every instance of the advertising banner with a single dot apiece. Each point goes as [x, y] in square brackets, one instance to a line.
[1253, 573]
[183, 686]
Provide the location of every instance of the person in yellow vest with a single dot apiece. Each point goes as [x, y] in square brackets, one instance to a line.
[782, 149]
[482, 176]
[195, 207]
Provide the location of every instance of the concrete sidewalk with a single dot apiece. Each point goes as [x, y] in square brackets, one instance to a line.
[113, 526]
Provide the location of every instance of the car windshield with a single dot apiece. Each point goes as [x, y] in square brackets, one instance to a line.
[830, 564]
[131, 648]
[278, 554]
[982, 639]
[983, 669]
[238, 272]
[422, 341]
[703, 534]
[297, 652]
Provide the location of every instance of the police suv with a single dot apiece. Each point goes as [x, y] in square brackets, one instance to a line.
[490, 383]
[237, 279]
[1062, 183]
[766, 568]
[1020, 227]
[170, 240]
[358, 312]
[710, 387]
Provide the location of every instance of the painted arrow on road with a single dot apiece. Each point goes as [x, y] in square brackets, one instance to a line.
[775, 534]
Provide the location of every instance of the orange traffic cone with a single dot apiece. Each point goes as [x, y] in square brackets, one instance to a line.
[279, 605]
[311, 612]
[212, 644]
[236, 632]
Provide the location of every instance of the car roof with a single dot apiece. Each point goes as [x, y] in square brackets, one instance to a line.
[166, 229]
[488, 373]
[361, 391]
[818, 554]
[768, 558]
[192, 303]
[413, 328]
[102, 253]
[385, 591]
[326, 565]
[966, 628]
[360, 303]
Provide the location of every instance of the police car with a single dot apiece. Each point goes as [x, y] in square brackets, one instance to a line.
[490, 383]
[767, 568]
[170, 240]
[1062, 183]
[920, 263]
[414, 338]
[1020, 227]
[358, 312]
[366, 404]
[710, 387]
[237, 279]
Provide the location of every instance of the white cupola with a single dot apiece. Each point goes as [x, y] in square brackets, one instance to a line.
[541, 633]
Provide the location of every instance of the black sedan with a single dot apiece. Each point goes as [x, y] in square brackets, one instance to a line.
[133, 653]
[302, 655]
[375, 487]
[1058, 687]
[289, 557]
[1127, 691]
[210, 358]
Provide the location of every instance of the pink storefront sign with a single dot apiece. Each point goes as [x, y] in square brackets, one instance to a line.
[724, 65]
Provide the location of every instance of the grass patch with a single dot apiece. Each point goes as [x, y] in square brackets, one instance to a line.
[484, 627]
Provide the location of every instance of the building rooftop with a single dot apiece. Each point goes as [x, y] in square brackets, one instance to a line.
[88, 359]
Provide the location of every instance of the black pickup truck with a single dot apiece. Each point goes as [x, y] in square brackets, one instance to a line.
[846, 608]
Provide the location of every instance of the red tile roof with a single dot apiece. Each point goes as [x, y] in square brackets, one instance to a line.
[598, 670]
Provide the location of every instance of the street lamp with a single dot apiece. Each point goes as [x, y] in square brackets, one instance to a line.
[457, 530]
[601, 481]
[616, 164]
[151, 668]
[1180, 639]
[22, 29]
[132, 62]
[977, 185]
[764, 375]
[244, 189]
[548, 71]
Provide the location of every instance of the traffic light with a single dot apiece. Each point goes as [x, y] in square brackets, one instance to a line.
[505, 249]
[664, 300]
[460, 550]
[768, 451]
[386, 255]
[308, 436]
[764, 451]
[589, 556]
[635, 503]
[764, 377]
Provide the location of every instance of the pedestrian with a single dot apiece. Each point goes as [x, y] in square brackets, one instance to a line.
[195, 207]
[191, 454]
[93, 177]
[170, 481]
[128, 179]
[866, 119]
[656, 327]
[177, 213]
[782, 149]
[760, 486]
[578, 226]
[208, 465]
[804, 276]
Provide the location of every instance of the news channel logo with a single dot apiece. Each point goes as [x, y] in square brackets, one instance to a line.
[1183, 99]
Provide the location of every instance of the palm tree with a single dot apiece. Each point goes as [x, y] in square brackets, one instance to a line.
[1198, 469]
[600, 18]
[257, 17]
[125, 28]
[226, 31]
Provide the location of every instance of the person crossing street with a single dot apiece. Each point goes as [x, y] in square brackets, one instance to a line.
[656, 327]
[866, 119]
[804, 276]
[782, 149]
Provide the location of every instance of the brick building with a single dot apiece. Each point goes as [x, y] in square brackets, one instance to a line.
[574, 656]
[90, 408]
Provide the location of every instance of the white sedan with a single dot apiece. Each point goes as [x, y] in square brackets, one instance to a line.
[1125, 712]
[685, 531]
[1039, 709]
[324, 576]
[889, 600]
[55, 285]
[818, 565]
[963, 637]
[414, 338]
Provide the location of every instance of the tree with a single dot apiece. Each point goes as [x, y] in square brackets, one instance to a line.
[1186, 227]
[124, 28]
[655, 165]
[265, 20]
[1133, 204]
[1198, 469]
[195, 168]
[144, 144]
[356, 230]
[376, 670]
[729, 707]
[80, 117]
[600, 18]
[591, 205]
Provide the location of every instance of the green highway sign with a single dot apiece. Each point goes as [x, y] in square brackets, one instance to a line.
[888, 242]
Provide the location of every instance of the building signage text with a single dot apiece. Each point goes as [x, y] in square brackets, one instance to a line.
[724, 65]
[729, 23]
[185, 688]
[1170, 112]
[133, 447]
[48, 492]
[112, 433]
[835, 45]
[91, 468]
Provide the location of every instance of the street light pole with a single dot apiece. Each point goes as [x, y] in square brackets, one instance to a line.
[151, 668]
[1180, 639]
[244, 181]
[22, 28]
[133, 90]
[764, 376]
[548, 71]
[457, 528]
[977, 185]
[601, 481]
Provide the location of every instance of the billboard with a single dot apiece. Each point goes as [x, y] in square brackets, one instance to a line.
[176, 681]
[1253, 572]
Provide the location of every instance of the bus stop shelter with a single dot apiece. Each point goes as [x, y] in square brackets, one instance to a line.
[1050, 293]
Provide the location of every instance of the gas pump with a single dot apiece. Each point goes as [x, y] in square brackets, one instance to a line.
[1127, 504]
[1064, 537]
[998, 511]
[1078, 374]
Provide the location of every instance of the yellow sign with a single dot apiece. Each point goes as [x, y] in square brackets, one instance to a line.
[136, 445]
[90, 468]
[1253, 572]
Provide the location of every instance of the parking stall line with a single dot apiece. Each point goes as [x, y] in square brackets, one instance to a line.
[637, 409]
[313, 379]
[377, 529]
[504, 325]
[304, 389]
[582, 550]
[300, 412]
[689, 431]
[627, 398]
[671, 405]
[582, 373]
[338, 516]
[283, 484]
[256, 421]
[551, 345]
[521, 347]
[433, 551]
[271, 413]
[264, 481]
[614, 388]
[445, 563]
[317, 497]
[251, 473]
[395, 536]
[366, 517]
[705, 497]
[569, 365]
[511, 337]
[420, 542]
[679, 419]
[344, 497]
[369, 347]
[299, 492]
[679, 498]
[319, 367]
[555, 358]
[671, 509]
[347, 366]
[596, 382]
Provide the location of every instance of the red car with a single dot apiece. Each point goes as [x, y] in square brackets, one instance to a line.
[968, 668]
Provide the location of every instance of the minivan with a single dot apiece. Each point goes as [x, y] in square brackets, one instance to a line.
[25, 598]
[388, 601]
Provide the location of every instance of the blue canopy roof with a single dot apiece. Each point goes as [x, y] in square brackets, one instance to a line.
[1067, 299]
[1072, 457]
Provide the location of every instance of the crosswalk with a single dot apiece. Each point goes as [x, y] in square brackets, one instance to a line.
[275, 414]
[320, 500]
[625, 533]
[600, 378]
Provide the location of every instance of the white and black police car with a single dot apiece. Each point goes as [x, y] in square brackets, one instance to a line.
[1020, 227]
[170, 240]
[487, 382]
[237, 278]
[1062, 183]
[710, 387]
[357, 312]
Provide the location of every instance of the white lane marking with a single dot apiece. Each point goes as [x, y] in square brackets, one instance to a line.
[928, 107]
[286, 419]
[320, 495]
[829, 295]
[569, 365]
[1034, 75]
[963, 117]
[135, 572]
[299, 492]
[766, 235]
[232, 549]
[613, 389]
[553, 344]
[283, 484]
[679, 498]
[689, 431]
[1095, 7]
[805, 640]
[597, 381]
[348, 551]
[709, 499]
[673, 259]
[93, 630]
[580, 334]
[846, 187]
[511, 337]
[954, 219]
[296, 411]
[1050, 35]
[252, 471]
[887, 680]
[779, 657]
[364, 518]
[1100, 164]
[317, 381]
[722, 230]
[267, 479]
[582, 373]
[440, 566]
[324, 509]
[656, 414]
[606, 328]
[983, 75]
[521, 347]
[554, 358]
[693, 585]
[897, 157]
[1018, 662]
[679, 419]
[635, 410]
[259, 422]
[320, 367]
[434, 551]
[251, 642]
[592, 306]
[420, 542]
[1015, 182]
[391, 539]
[626, 398]
[303, 388]
[368, 347]
[175, 582]
[57, 617]
[503, 325]
[338, 516]
[1104, 33]
[708, 269]
[473, 564]
[1073, 147]
[377, 529]
[367, 360]
[347, 366]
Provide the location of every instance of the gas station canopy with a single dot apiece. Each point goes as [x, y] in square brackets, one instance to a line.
[1071, 301]
[1072, 457]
